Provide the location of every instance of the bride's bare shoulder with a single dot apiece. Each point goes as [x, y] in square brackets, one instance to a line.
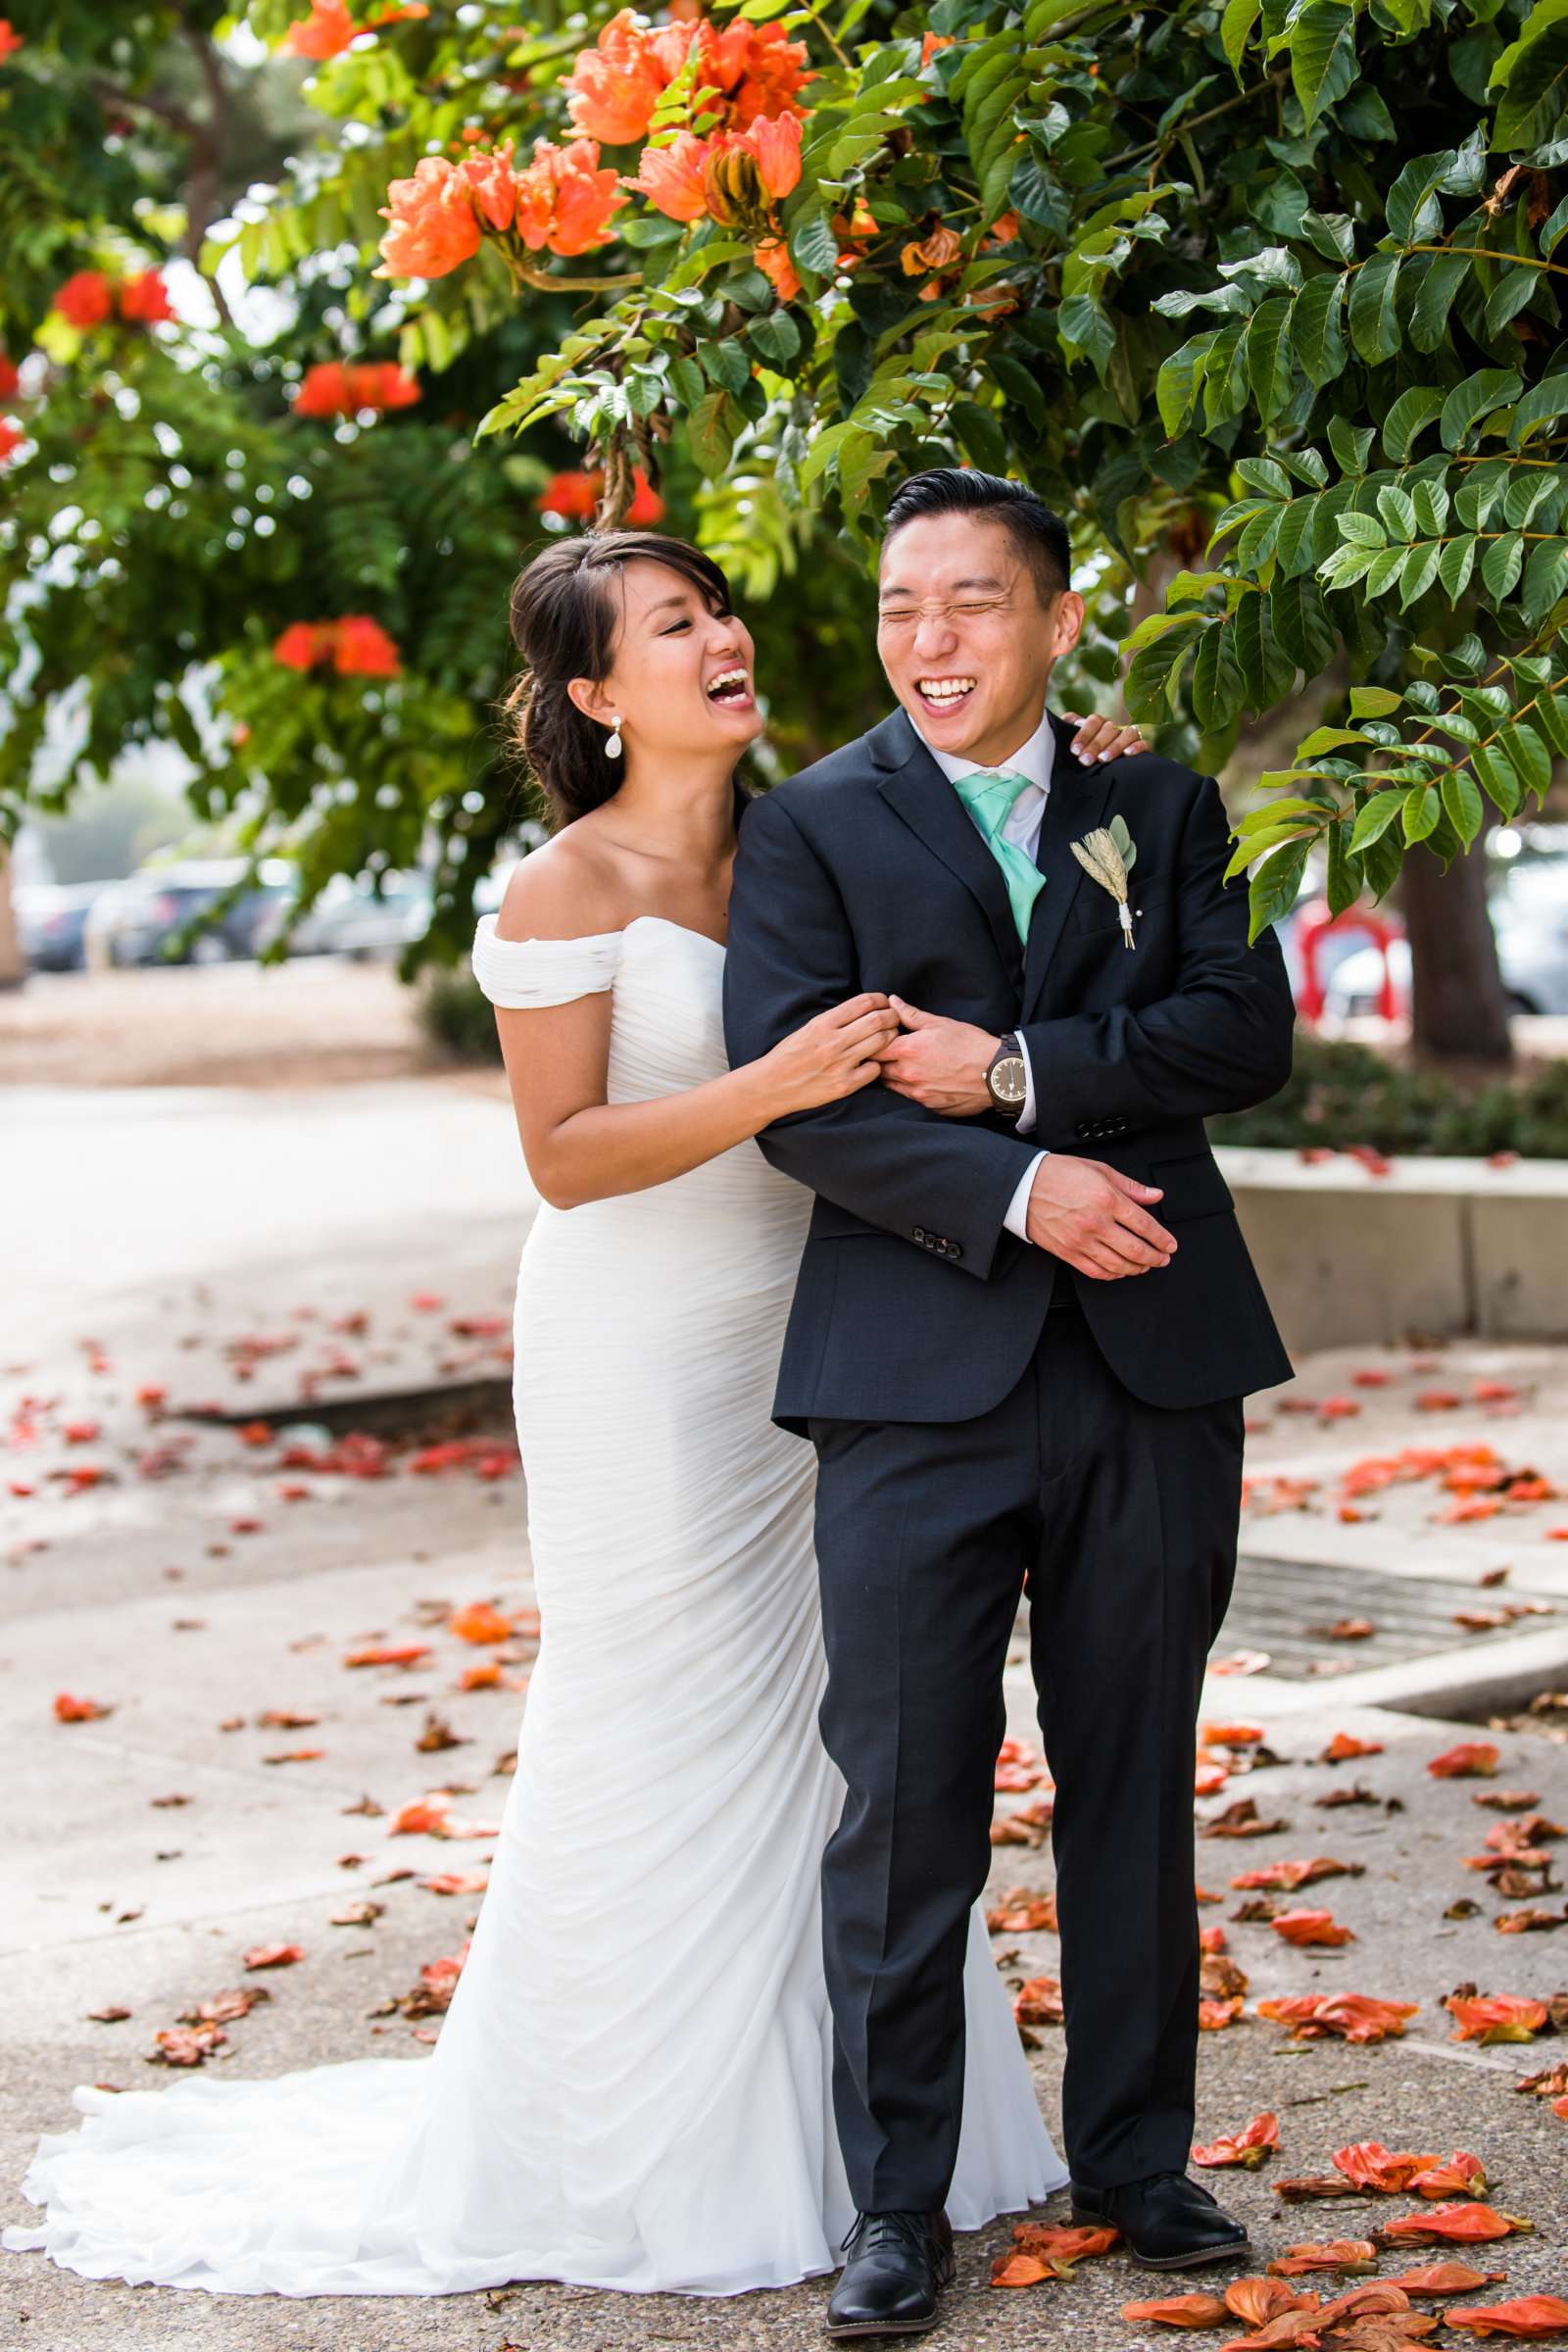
[569, 888]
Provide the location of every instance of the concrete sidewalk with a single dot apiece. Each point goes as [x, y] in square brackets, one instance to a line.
[179, 1242]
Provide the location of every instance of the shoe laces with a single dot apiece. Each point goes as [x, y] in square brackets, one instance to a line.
[870, 2230]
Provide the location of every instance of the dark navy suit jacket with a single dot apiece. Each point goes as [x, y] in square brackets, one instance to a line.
[913, 1301]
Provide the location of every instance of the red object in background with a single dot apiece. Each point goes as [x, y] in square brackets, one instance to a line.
[1312, 925]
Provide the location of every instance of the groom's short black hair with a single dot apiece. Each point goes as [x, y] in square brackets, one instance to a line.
[1039, 535]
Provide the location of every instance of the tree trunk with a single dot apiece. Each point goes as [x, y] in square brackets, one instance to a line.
[13, 971]
[1458, 1009]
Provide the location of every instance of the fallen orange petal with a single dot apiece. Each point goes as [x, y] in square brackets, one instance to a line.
[1248, 2148]
[1178, 2310]
[1472, 1759]
[1532, 2319]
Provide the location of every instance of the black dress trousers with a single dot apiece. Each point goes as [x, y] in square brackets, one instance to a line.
[1120, 1518]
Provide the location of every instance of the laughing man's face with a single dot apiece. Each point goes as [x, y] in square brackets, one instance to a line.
[965, 640]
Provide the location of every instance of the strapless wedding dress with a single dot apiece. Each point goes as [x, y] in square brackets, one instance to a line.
[631, 2087]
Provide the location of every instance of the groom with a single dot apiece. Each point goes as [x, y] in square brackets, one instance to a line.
[1024, 1323]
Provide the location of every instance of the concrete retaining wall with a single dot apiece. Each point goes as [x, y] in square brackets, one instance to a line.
[1435, 1249]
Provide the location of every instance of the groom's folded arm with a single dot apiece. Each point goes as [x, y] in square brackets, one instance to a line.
[1220, 1040]
[936, 1183]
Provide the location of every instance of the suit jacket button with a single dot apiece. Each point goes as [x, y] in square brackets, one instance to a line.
[918, 1234]
[954, 1249]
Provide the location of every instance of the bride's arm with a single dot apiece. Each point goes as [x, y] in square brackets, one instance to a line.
[578, 1146]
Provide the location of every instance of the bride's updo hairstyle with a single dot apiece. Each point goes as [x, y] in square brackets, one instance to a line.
[565, 615]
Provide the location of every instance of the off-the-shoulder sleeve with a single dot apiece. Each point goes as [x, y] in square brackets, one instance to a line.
[518, 974]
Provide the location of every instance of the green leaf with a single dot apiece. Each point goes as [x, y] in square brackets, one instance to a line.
[1301, 624]
[1528, 754]
[1544, 575]
[1375, 817]
[711, 432]
[1551, 718]
[1430, 502]
[1456, 565]
[813, 244]
[1501, 566]
[775, 338]
[1440, 282]
[1397, 510]
[1216, 679]
[980, 431]
[1265, 474]
[1533, 74]
[1352, 444]
[1315, 327]
[725, 364]
[1234, 28]
[1495, 771]
[1360, 531]
[1276, 886]
[1342, 885]
[1423, 806]
[1418, 571]
[1407, 420]
[1469, 401]
[1374, 701]
[688, 380]
[1462, 801]
[1539, 405]
[1268, 358]
[1322, 43]
[1021, 387]
[1373, 318]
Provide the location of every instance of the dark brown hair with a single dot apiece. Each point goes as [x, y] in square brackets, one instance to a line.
[1039, 536]
[565, 623]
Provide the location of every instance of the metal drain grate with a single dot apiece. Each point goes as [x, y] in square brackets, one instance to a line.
[1276, 1603]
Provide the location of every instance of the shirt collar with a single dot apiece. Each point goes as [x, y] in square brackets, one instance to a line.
[1032, 759]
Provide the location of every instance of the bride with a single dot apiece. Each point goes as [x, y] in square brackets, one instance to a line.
[631, 2088]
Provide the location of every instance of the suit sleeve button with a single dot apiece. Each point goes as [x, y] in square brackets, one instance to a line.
[918, 1234]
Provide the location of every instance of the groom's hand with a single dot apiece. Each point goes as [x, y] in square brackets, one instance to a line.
[1089, 1215]
[939, 1064]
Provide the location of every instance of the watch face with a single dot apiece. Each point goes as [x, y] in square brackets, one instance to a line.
[1007, 1080]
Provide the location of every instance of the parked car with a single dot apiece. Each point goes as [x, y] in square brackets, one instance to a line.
[1530, 916]
[352, 918]
[138, 921]
[50, 920]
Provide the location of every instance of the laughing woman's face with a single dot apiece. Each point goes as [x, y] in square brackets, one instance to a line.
[682, 677]
[965, 639]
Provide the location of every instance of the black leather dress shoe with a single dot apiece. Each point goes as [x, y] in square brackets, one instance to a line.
[1169, 2222]
[898, 2264]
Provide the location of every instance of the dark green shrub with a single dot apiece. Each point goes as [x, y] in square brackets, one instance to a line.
[457, 1016]
[1342, 1094]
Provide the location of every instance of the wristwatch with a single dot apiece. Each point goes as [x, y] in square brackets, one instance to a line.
[1008, 1078]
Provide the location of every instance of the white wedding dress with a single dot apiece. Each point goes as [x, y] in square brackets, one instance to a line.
[631, 2087]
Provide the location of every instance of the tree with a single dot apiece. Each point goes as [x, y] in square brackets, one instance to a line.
[1261, 297]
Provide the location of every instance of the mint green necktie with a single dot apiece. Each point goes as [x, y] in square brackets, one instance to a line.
[990, 796]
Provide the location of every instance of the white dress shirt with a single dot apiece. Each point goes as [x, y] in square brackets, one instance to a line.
[1023, 828]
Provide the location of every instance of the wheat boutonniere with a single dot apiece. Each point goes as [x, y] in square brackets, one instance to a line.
[1109, 854]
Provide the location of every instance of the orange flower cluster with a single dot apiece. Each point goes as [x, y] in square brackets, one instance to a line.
[10, 40]
[89, 298]
[614, 87]
[730, 177]
[576, 496]
[328, 28]
[334, 389]
[561, 201]
[356, 646]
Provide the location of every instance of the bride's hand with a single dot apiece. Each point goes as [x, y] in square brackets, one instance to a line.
[834, 1054]
[1100, 738]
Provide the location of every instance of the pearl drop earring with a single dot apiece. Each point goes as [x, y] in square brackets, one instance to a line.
[613, 741]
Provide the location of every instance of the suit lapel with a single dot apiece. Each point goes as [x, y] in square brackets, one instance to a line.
[914, 787]
[1074, 806]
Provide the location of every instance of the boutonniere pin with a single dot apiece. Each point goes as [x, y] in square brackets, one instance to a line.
[1109, 854]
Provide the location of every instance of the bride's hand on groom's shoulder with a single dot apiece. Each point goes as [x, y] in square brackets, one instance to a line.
[1093, 1216]
[939, 1064]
